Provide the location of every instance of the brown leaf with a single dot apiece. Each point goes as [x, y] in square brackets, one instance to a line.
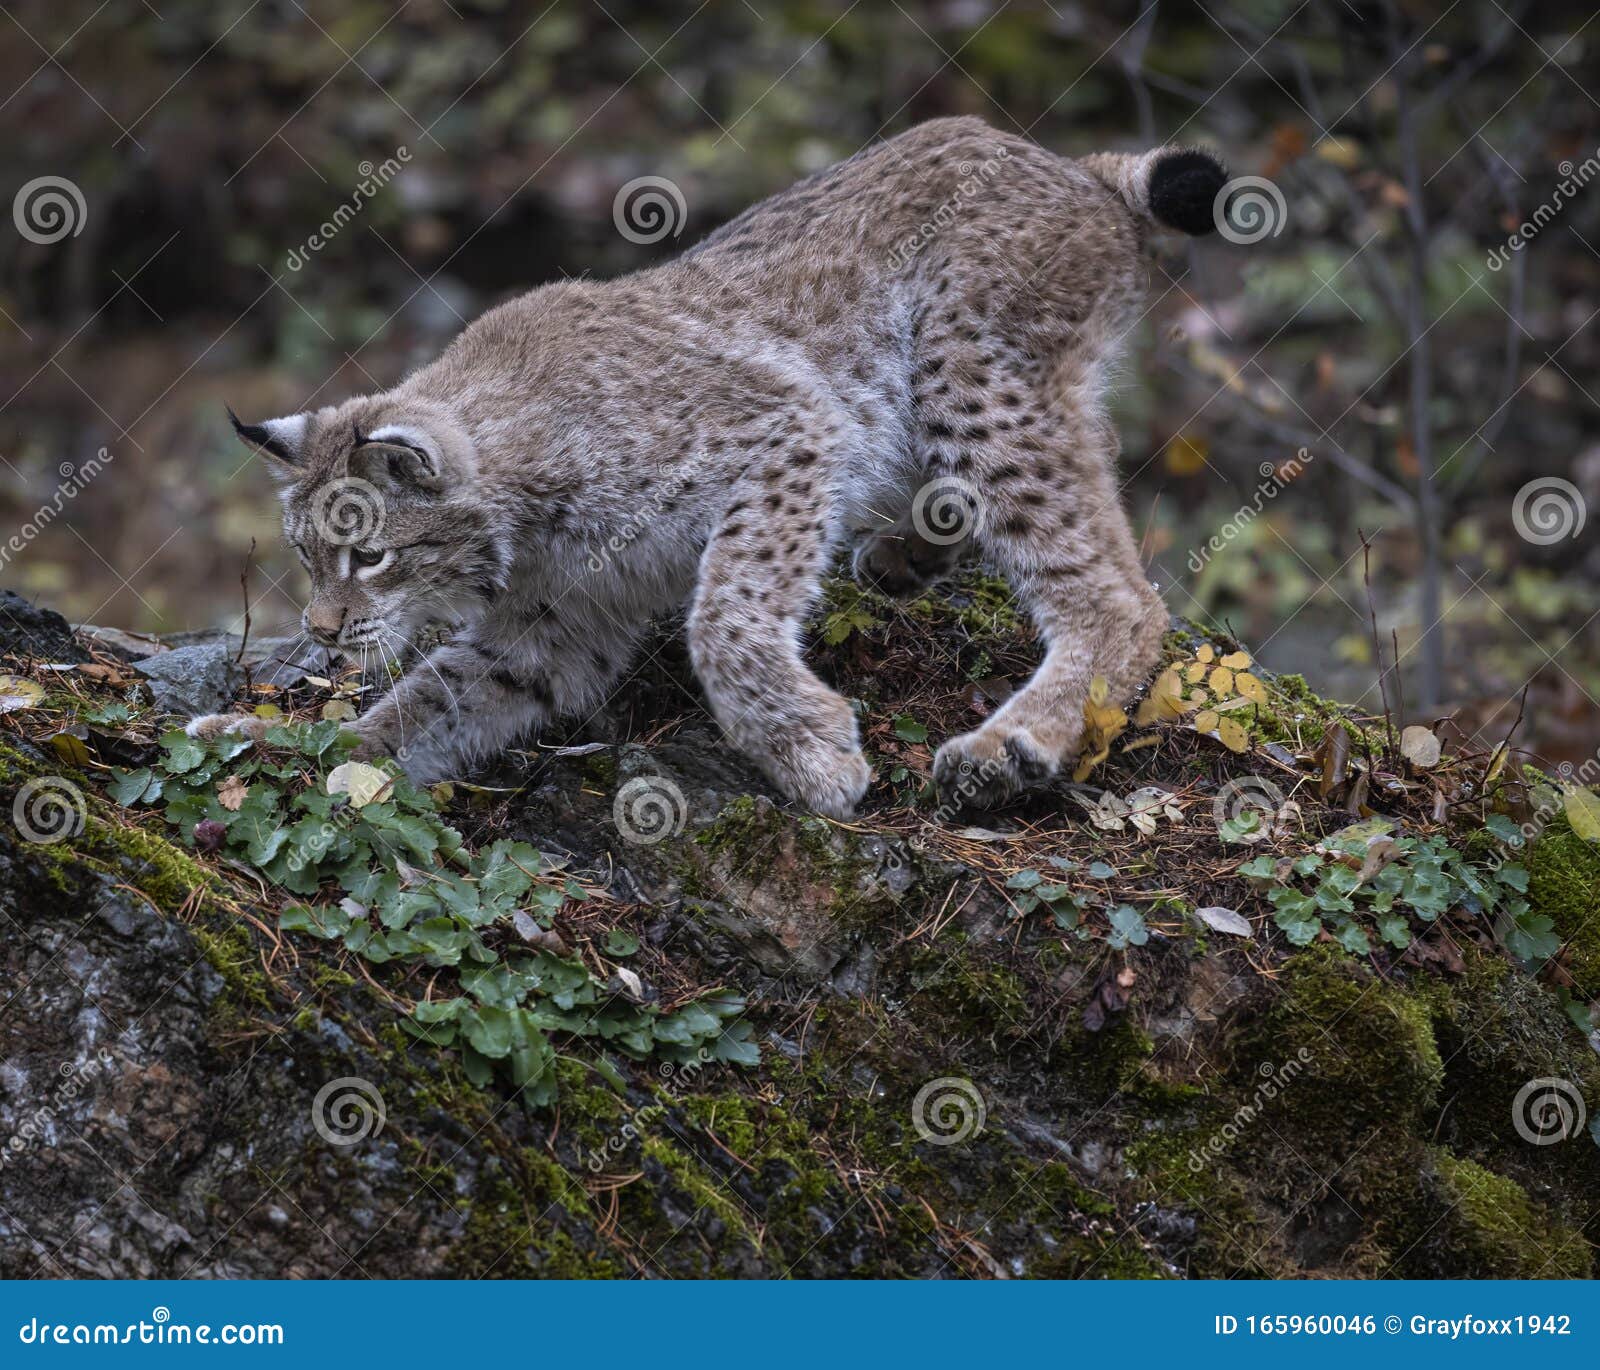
[1334, 754]
[231, 793]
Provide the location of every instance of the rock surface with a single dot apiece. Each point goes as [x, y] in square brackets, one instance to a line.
[945, 1090]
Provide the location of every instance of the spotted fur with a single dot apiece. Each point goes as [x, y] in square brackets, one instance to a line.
[709, 433]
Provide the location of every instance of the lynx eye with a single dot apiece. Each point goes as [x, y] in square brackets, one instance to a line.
[367, 556]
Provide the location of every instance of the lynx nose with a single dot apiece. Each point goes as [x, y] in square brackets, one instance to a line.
[323, 623]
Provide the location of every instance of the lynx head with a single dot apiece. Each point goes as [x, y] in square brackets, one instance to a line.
[383, 505]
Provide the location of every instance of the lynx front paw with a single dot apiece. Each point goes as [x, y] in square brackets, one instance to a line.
[990, 767]
[208, 726]
[827, 782]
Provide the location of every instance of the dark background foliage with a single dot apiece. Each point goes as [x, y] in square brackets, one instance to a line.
[1427, 384]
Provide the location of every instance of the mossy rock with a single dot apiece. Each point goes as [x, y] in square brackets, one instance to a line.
[1564, 886]
[1474, 1224]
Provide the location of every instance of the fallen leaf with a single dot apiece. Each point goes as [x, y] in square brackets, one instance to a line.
[1335, 757]
[17, 693]
[1206, 721]
[70, 748]
[1250, 687]
[1225, 920]
[1419, 746]
[1206, 653]
[1220, 681]
[231, 793]
[1236, 661]
[338, 711]
[1583, 811]
[361, 782]
[1231, 733]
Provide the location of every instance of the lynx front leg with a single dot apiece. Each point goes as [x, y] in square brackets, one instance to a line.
[459, 705]
[758, 576]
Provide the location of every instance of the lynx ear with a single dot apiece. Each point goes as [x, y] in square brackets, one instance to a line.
[407, 454]
[284, 439]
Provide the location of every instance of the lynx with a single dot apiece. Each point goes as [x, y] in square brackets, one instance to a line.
[907, 351]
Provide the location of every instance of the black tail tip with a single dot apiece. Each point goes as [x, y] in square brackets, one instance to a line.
[1183, 190]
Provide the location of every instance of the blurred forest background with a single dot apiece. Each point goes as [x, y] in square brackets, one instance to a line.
[1440, 374]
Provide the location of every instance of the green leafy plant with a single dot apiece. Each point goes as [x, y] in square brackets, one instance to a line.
[1361, 882]
[383, 875]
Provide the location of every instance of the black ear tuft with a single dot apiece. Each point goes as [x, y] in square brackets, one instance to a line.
[259, 435]
[1183, 190]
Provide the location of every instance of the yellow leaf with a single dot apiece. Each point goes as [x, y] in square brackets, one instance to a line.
[1583, 811]
[1197, 698]
[1186, 455]
[1250, 687]
[231, 793]
[1164, 702]
[1221, 681]
[1088, 764]
[1099, 691]
[1236, 661]
[338, 710]
[1207, 653]
[268, 711]
[1233, 735]
[1195, 672]
[1206, 721]
[17, 693]
[442, 793]
[1341, 152]
[1497, 763]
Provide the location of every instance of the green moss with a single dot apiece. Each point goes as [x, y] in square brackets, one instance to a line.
[1366, 1049]
[1564, 886]
[1484, 1226]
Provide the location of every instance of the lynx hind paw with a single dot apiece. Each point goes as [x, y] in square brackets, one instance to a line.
[990, 767]
[208, 726]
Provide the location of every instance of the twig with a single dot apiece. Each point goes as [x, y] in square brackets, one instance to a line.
[1377, 642]
[244, 586]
